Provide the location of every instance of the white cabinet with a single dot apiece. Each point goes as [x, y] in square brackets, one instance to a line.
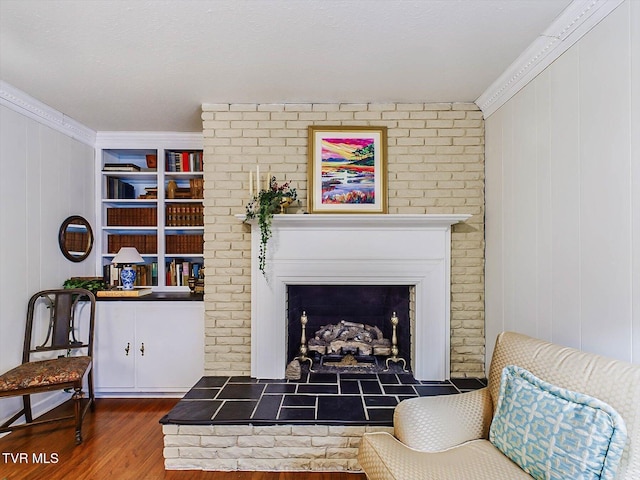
[148, 348]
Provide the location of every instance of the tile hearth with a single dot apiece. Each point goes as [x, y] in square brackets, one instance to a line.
[346, 399]
[314, 424]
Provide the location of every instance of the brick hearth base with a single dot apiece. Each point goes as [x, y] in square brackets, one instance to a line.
[314, 424]
[318, 448]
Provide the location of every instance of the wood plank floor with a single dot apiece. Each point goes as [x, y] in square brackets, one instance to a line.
[122, 440]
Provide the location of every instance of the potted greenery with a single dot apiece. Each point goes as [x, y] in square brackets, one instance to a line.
[263, 206]
[93, 284]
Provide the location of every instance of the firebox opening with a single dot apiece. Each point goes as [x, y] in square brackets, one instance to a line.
[368, 305]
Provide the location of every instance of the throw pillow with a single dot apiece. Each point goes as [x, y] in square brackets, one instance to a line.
[553, 433]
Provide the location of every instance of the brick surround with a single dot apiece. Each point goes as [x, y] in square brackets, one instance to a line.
[435, 165]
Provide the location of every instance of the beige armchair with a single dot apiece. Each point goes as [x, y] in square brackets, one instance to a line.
[446, 437]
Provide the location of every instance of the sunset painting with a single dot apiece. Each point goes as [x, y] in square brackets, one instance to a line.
[347, 169]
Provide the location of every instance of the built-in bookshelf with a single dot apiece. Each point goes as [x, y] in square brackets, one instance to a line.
[152, 199]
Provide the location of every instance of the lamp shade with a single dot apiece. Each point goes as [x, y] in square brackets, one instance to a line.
[127, 256]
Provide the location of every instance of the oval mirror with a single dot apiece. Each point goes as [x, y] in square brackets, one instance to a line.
[75, 238]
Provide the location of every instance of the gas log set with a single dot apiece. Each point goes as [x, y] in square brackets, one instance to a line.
[349, 337]
[349, 341]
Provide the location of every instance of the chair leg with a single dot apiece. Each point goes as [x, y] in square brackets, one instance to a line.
[92, 396]
[77, 401]
[26, 402]
[6, 426]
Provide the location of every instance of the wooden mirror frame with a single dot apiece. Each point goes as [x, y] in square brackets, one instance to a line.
[75, 248]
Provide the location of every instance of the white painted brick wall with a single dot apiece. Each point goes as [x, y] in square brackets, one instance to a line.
[268, 448]
[435, 165]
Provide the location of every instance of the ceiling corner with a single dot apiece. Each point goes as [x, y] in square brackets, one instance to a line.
[20, 102]
[571, 25]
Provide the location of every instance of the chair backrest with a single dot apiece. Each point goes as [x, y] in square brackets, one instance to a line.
[612, 381]
[68, 324]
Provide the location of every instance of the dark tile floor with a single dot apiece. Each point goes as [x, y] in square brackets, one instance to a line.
[315, 399]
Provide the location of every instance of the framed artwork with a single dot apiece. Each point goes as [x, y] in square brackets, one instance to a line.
[347, 170]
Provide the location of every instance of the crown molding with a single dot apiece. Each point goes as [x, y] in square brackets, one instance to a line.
[173, 140]
[569, 27]
[20, 102]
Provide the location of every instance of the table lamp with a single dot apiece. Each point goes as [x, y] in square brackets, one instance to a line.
[126, 257]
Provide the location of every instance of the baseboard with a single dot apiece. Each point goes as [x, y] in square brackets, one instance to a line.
[141, 394]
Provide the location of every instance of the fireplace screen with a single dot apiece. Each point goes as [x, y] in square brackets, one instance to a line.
[350, 325]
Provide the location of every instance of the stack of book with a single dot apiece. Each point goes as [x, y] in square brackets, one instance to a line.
[120, 167]
[117, 189]
[178, 272]
[150, 193]
[184, 215]
[144, 243]
[183, 244]
[119, 292]
[146, 274]
[132, 217]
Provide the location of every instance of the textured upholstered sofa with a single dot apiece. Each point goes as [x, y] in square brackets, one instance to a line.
[447, 437]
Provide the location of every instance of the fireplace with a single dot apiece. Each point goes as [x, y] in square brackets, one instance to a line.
[363, 309]
[352, 250]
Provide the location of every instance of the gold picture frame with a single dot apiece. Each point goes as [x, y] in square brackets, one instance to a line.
[347, 169]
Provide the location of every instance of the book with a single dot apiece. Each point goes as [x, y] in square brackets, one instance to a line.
[154, 273]
[120, 167]
[185, 167]
[179, 274]
[119, 292]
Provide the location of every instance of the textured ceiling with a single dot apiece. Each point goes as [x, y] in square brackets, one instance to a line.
[148, 65]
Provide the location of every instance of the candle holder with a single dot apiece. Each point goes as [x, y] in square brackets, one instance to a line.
[285, 202]
[394, 347]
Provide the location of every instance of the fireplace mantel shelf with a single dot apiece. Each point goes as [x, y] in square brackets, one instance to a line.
[377, 221]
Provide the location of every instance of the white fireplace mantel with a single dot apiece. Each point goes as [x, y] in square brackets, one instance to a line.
[365, 249]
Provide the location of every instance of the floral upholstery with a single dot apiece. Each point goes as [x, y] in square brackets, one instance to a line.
[45, 372]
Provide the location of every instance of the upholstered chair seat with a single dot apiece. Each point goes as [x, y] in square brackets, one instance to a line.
[45, 373]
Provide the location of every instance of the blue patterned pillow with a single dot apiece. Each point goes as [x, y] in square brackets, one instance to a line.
[553, 433]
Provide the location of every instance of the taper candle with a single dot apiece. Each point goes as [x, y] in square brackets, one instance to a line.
[257, 179]
[251, 184]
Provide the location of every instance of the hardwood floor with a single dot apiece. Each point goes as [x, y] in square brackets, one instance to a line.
[122, 440]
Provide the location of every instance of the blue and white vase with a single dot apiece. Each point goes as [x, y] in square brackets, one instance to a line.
[127, 278]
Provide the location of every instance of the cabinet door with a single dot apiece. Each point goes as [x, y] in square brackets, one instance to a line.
[173, 338]
[114, 354]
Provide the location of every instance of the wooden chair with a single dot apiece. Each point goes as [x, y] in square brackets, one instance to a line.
[71, 315]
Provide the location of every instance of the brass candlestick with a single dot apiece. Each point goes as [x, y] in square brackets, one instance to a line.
[394, 346]
[285, 202]
[303, 343]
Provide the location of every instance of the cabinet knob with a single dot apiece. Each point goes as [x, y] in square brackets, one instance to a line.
[142, 349]
[126, 350]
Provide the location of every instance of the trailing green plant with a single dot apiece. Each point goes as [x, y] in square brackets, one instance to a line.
[263, 206]
[93, 284]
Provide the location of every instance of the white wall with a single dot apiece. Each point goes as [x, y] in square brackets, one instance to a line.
[563, 198]
[45, 176]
